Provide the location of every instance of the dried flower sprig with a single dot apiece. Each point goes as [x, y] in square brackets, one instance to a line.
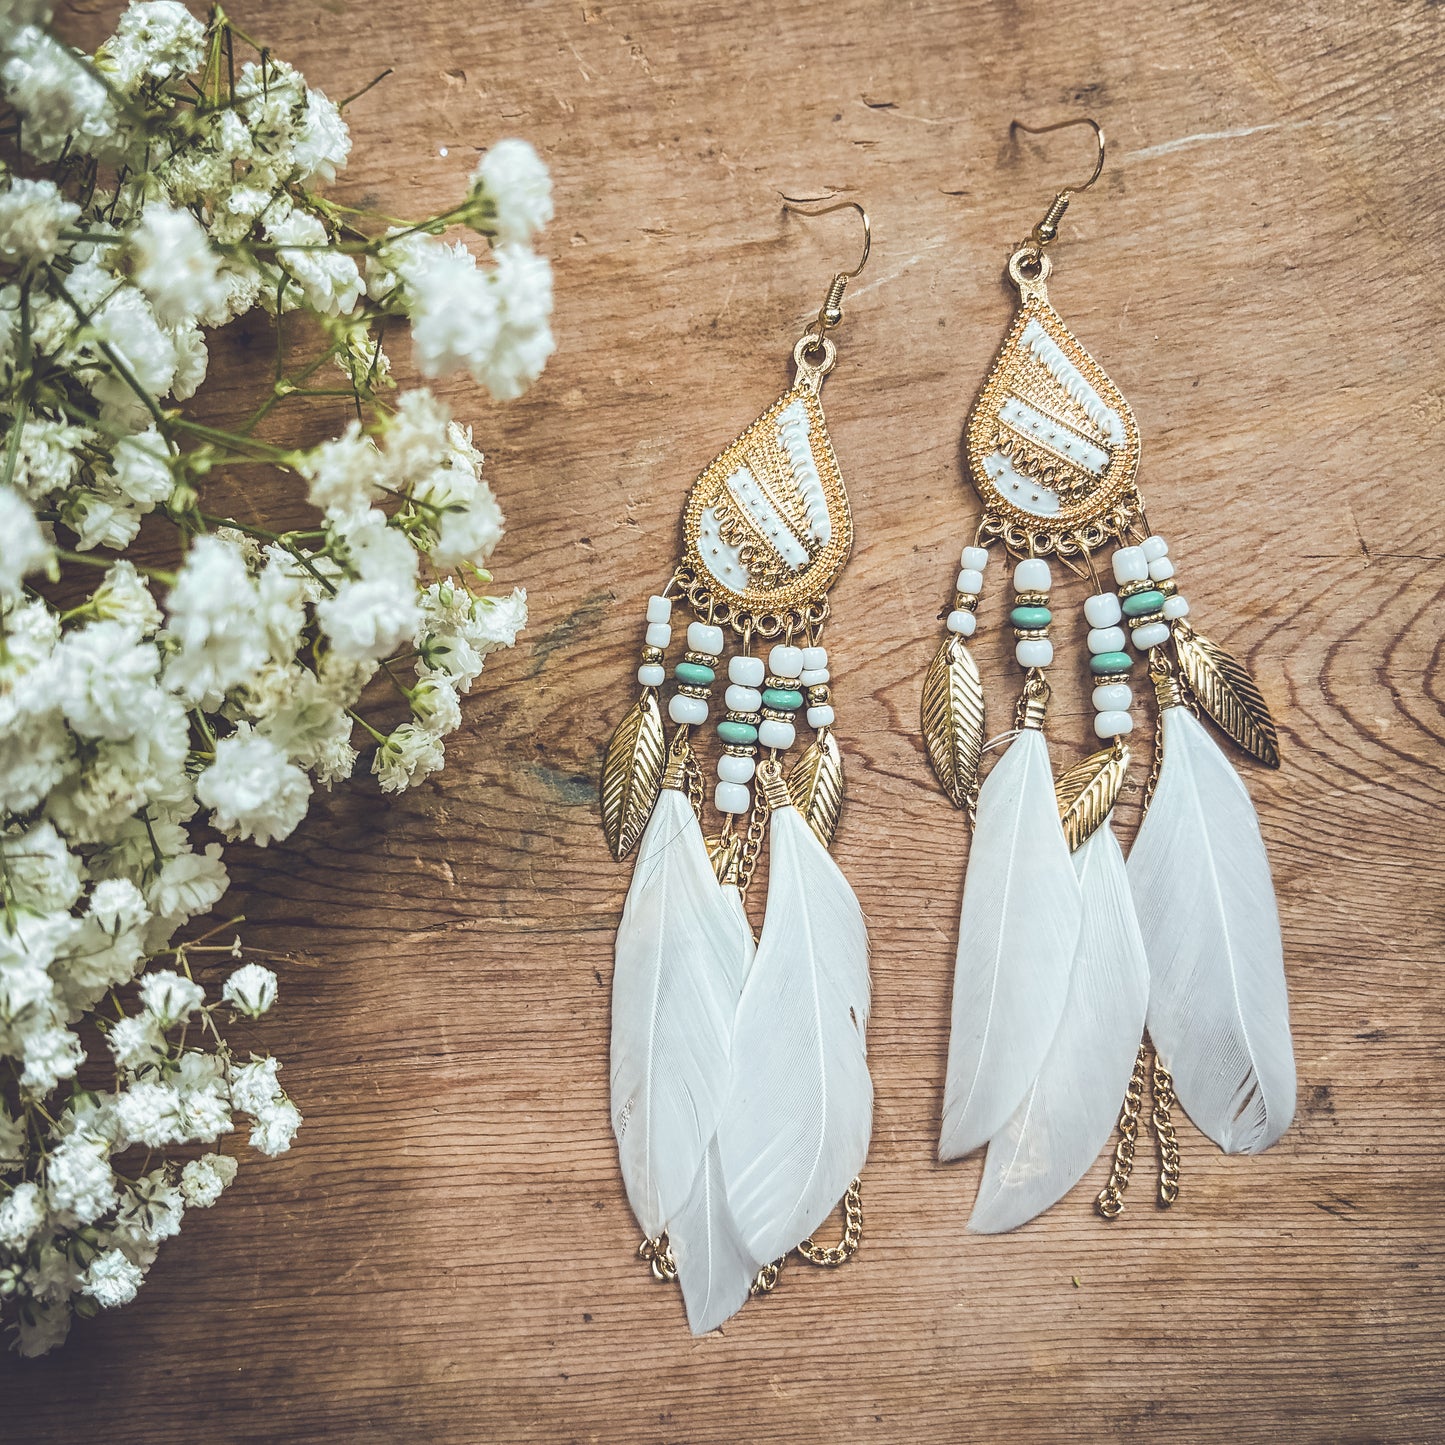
[149, 193]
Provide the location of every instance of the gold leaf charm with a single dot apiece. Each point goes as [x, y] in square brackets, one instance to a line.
[1088, 790]
[767, 524]
[632, 774]
[816, 786]
[953, 719]
[1052, 444]
[1223, 687]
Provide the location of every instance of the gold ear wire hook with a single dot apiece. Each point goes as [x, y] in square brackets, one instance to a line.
[830, 313]
[1048, 228]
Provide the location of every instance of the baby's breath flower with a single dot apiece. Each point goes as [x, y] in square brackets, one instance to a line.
[216, 693]
[169, 997]
[250, 990]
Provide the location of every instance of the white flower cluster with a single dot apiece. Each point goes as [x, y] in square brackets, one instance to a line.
[161, 711]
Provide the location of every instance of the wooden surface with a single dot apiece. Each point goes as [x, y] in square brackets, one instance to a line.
[446, 1254]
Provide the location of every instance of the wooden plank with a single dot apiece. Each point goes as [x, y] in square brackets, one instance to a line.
[446, 1253]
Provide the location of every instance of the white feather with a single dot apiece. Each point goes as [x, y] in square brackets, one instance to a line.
[674, 988]
[1016, 937]
[714, 1267]
[1218, 1010]
[799, 1112]
[1067, 1115]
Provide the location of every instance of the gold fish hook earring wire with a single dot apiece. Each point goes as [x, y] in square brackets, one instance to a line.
[830, 313]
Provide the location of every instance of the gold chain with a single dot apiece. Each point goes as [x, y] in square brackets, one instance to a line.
[835, 1254]
[753, 841]
[1110, 1202]
[658, 1253]
[1164, 1135]
[693, 775]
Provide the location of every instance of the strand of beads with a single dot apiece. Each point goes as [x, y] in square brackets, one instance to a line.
[738, 732]
[781, 697]
[1140, 596]
[963, 620]
[695, 673]
[814, 681]
[1161, 573]
[1030, 614]
[659, 633]
[1109, 663]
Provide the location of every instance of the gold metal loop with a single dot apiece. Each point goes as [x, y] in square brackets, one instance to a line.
[810, 372]
[830, 313]
[800, 206]
[1048, 228]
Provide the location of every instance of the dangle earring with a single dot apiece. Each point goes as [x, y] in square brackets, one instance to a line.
[1064, 951]
[741, 1098]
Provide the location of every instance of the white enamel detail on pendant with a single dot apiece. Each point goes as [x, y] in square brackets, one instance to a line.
[766, 518]
[1071, 379]
[793, 433]
[1023, 491]
[1044, 431]
[721, 558]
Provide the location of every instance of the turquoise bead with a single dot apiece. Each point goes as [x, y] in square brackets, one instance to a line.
[1141, 603]
[1103, 662]
[786, 699]
[1031, 617]
[737, 733]
[695, 673]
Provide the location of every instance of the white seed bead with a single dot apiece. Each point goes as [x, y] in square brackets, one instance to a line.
[659, 609]
[970, 580]
[703, 638]
[1113, 697]
[659, 634]
[1106, 639]
[1130, 565]
[748, 671]
[813, 676]
[1161, 570]
[1175, 607]
[742, 699]
[1113, 724]
[652, 674]
[814, 658]
[1034, 652]
[1032, 575]
[1154, 548]
[1151, 634]
[962, 621]
[775, 734]
[820, 716]
[684, 709]
[785, 661]
[975, 557]
[1103, 609]
[732, 798]
[733, 769]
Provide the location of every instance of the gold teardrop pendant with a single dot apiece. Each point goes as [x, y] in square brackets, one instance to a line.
[1053, 447]
[767, 524]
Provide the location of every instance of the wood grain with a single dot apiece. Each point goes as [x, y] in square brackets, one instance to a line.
[446, 1254]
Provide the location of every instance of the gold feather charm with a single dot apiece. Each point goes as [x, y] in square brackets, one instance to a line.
[632, 774]
[1088, 791]
[816, 786]
[1222, 686]
[953, 719]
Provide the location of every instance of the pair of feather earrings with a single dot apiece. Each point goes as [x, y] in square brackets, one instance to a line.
[741, 1098]
[1066, 951]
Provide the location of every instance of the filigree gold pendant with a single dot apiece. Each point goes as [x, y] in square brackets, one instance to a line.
[1052, 445]
[767, 524]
